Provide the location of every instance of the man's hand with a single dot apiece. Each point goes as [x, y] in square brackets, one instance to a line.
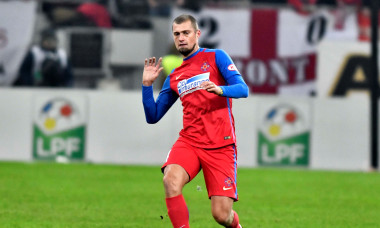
[151, 71]
[212, 88]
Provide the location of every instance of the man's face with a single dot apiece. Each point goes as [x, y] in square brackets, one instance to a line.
[185, 38]
[49, 44]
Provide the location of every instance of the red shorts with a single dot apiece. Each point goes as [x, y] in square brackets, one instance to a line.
[219, 166]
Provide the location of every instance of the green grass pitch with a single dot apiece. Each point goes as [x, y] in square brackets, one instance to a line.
[38, 195]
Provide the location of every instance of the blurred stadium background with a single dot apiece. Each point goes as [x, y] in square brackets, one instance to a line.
[307, 64]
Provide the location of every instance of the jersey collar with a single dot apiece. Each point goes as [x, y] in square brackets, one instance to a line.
[188, 57]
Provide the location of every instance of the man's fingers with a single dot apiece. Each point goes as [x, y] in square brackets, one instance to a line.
[151, 61]
[159, 70]
[210, 87]
[159, 61]
[207, 85]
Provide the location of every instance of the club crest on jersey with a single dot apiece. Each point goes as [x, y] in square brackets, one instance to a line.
[205, 66]
[192, 84]
[228, 182]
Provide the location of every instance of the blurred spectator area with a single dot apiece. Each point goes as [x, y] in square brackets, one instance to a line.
[119, 51]
[97, 52]
[100, 53]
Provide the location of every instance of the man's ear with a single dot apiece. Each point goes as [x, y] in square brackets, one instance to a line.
[198, 33]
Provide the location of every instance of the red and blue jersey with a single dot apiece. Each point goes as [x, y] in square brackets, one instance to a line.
[207, 118]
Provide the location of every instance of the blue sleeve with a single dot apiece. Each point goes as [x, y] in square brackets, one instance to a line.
[236, 87]
[155, 110]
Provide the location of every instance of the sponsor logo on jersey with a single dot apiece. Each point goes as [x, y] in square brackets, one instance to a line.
[205, 66]
[232, 67]
[192, 84]
[176, 78]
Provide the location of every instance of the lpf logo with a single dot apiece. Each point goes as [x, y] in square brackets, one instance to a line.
[284, 135]
[59, 128]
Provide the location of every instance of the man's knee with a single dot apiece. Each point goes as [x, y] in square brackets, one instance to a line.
[172, 181]
[175, 177]
[221, 216]
[221, 208]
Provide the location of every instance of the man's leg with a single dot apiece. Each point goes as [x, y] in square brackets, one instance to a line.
[221, 207]
[220, 171]
[181, 166]
[175, 177]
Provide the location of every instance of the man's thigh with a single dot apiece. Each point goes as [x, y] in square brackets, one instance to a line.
[184, 155]
[220, 170]
[221, 204]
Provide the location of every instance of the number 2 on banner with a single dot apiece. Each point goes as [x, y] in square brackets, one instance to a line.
[209, 27]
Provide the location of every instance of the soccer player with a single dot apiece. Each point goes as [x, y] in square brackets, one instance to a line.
[205, 83]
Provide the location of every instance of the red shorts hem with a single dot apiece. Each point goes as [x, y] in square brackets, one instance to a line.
[219, 166]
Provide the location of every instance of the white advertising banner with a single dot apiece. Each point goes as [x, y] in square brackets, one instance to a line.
[274, 49]
[343, 68]
[110, 127]
[16, 29]
[299, 34]
[283, 52]
[223, 29]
